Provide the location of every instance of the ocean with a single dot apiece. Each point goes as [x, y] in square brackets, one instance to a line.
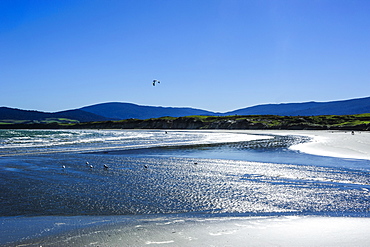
[215, 173]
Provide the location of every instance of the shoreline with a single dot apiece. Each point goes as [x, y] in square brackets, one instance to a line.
[175, 230]
[339, 144]
[329, 143]
[206, 230]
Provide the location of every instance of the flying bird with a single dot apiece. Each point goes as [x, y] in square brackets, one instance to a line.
[156, 81]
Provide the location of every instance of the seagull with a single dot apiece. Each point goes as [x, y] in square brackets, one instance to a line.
[63, 166]
[106, 167]
[155, 81]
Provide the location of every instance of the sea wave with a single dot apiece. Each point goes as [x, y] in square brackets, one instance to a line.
[17, 142]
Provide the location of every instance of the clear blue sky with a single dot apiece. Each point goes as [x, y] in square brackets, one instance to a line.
[217, 55]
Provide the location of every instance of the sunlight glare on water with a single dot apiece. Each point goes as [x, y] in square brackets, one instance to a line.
[260, 177]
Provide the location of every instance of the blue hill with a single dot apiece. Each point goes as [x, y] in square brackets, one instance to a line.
[344, 107]
[116, 110]
[119, 111]
[7, 113]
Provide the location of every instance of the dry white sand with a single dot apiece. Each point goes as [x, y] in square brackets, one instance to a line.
[342, 144]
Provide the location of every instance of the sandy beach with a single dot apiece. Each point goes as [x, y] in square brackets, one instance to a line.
[202, 230]
[172, 230]
[341, 144]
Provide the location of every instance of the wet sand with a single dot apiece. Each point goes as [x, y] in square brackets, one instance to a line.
[172, 230]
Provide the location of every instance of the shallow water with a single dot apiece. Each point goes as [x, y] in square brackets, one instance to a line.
[192, 173]
[151, 172]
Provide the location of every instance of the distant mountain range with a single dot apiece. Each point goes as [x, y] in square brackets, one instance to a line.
[120, 111]
[24, 116]
[343, 107]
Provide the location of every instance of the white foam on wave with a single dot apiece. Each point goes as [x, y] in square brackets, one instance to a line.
[53, 138]
[142, 137]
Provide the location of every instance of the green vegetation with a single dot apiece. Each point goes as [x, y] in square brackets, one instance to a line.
[4, 122]
[340, 122]
[43, 121]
